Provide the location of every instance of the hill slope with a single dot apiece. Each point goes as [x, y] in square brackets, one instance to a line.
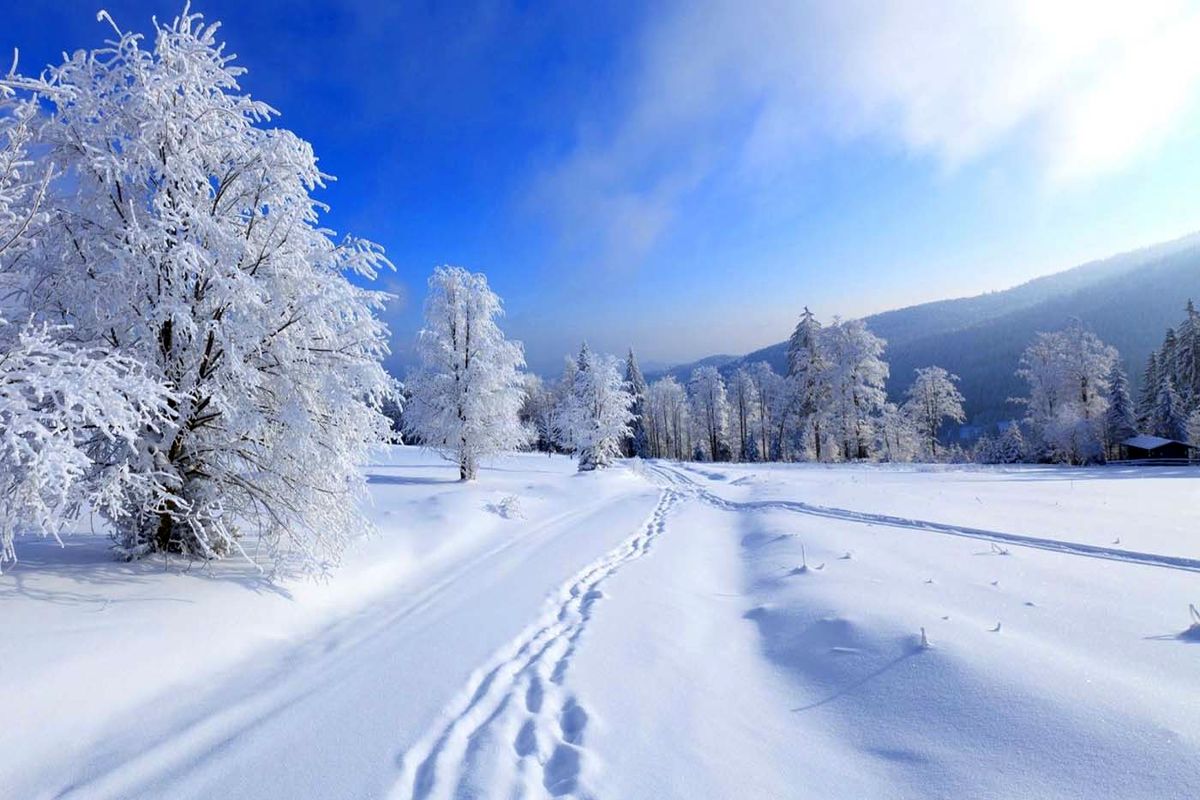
[1129, 300]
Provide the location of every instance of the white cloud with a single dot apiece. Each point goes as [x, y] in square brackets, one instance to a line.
[1074, 89]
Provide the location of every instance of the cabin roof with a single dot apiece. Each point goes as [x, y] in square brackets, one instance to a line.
[1146, 442]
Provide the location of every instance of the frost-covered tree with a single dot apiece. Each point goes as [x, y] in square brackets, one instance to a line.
[807, 381]
[1119, 422]
[538, 412]
[181, 233]
[68, 418]
[770, 394]
[710, 412]
[743, 404]
[597, 414]
[637, 443]
[933, 398]
[898, 440]
[670, 424]
[1010, 446]
[855, 375]
[1068, 373]
[68, 414]
[468, 389]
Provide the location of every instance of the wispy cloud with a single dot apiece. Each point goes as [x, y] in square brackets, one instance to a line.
[1070, 90]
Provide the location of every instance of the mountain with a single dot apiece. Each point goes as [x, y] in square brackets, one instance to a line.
[1128, 300]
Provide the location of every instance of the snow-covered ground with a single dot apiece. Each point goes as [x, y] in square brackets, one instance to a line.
[658, 630]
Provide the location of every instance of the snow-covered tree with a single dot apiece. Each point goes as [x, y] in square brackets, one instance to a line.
[710, 412]
[468, 389]
[597, 414]
[1068, 373]
[898, 440]
[181, 233]
[637, 443]
[1148, 394]
[770, 395]
[932, 399]
[1193, 428]
[808, 381]
[670, 423]
[68, 418]
[1170, 419]
[743, 403]
[1119, 422]
[1010, 446]
[855, 375]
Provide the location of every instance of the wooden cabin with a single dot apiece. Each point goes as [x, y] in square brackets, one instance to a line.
[1156, 450]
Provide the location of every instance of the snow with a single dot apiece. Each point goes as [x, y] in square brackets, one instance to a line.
[640, 632]
[1148, 442]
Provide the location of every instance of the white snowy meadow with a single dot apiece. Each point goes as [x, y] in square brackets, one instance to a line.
[242, 560]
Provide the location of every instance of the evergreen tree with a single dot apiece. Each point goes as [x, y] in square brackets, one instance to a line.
[1148, 395]
[598, 414]
[637, 443]
[807, 381]
[1010, 447]
[1170, 421]
[1119, 422]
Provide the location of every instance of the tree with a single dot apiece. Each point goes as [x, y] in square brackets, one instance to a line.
[1010, 447]
[710, 411]
[1170, 420]
[1068, 372]
[770, 394]
[636, 444]
[1148, 395]
[467, 391]
[68, 417]
[598, 413]
[182, 235]
[898, 438]
[1193, 428]
[1119, 423]
[855, 376]
[68, 414]
[743, 403]
[932, 399]
[670, 424]
[808, 386]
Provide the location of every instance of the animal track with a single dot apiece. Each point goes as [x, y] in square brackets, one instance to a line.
[521, 695]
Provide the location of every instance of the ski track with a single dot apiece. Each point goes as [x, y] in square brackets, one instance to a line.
[687, 484]
[519, 708]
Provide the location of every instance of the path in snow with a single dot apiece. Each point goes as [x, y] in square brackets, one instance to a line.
[677, 478]
[518, 725]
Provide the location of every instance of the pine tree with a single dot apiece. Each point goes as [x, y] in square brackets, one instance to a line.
[468, 389]
[637, 443]
[1148, 396]
[1170, 421]
[598, 414]
[1119, 422]
[808, 381]
[1010, 447]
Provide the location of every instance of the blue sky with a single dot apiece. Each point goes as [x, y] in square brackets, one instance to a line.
[684, 177]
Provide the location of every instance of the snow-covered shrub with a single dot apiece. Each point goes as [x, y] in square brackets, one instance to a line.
[468, 389]
[181, 234]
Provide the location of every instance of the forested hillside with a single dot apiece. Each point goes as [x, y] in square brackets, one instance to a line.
[1129, 300]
